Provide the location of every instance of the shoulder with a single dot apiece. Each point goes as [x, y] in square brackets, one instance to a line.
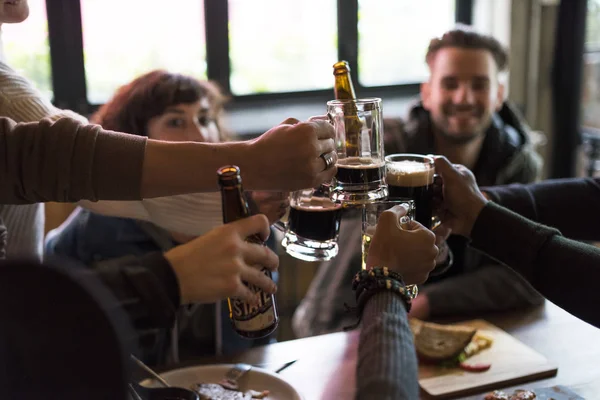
[525, 166]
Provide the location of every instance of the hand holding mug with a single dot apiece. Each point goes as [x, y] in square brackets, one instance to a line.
[463, 201]
[409, 250]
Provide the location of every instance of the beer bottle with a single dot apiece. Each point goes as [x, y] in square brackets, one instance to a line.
[344, 90]
[250, 322]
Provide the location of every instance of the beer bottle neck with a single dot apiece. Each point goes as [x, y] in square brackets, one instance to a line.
[235, 205]
[343, 88]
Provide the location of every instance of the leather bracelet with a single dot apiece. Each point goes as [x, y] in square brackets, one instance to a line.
[366, 283]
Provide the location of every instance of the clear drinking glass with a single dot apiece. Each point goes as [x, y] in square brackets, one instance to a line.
[358, 128]
[312, 226]
[370, 217]
[410, 176]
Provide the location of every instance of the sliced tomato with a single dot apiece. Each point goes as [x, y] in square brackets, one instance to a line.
[474, 367]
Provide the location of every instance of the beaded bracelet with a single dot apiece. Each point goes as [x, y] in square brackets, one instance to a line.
[367, 283]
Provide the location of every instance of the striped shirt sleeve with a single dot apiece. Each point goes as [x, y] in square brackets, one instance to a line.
[387, 362]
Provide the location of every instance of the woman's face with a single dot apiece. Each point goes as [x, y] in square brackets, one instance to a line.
[191, 122]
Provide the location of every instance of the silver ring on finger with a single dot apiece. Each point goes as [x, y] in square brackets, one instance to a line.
[328, 159]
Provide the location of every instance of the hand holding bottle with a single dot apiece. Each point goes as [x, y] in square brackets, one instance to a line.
[213, 266]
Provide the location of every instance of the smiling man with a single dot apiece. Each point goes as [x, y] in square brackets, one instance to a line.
[462, 115]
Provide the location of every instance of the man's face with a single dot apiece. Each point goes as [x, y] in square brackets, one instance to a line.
[13, 11]
[462, 93]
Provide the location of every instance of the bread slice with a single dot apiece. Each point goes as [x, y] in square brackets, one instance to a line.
[435, 342]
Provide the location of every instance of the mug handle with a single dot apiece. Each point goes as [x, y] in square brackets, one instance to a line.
[282, 224]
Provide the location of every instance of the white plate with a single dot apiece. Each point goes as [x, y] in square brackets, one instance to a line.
[256, 379]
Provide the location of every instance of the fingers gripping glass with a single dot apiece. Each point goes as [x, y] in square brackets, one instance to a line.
[312, 226]
[358, 126]
[370, 217]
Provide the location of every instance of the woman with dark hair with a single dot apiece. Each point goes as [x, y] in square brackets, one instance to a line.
[170, 107]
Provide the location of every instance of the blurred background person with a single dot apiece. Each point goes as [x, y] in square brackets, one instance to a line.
[463, 114]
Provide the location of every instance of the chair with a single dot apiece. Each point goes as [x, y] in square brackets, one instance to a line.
[62, 334]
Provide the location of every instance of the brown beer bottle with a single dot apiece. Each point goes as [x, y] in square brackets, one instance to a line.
[344, 90]
[250, 322]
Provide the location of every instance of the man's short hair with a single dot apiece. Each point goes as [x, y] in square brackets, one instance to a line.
[464, 38]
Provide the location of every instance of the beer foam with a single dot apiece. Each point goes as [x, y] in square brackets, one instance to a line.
[409, 173]
[316, 204]
[359, 163]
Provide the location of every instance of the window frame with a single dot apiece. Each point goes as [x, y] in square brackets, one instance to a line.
[68, 69]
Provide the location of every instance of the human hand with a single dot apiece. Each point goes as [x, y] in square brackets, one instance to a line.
[463, 200]
[442, 232]
[213, 266]
[410, 251]
[419, 307]
[271, 204]
[288, 156]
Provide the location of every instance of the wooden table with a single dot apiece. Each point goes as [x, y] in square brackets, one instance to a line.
[326, 364]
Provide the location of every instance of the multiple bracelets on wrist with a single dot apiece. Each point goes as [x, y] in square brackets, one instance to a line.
[367, 283]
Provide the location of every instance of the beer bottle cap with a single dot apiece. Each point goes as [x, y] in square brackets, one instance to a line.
[229, 176]
[341, 67]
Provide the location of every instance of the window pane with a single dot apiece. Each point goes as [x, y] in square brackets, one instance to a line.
[27, 49]
[590, 104]
[394, 35]
[592, 34]
[282, 46]
[124, 39]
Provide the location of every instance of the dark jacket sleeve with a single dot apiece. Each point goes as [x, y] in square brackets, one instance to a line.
[146, 287]
[566, 272]
[570, 205]
[491, 287]
[68, 161]
[387, 362]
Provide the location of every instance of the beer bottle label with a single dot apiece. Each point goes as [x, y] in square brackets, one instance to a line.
[248, 317]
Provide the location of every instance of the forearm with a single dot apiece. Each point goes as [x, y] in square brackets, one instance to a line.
[564, 271]
[66, 161]
[491, 287]
[562, 204]
[168, 166]
[387, 362]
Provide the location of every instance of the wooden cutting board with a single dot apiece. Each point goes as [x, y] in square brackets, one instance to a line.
[512, 363]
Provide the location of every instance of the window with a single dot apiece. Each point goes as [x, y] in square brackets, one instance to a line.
[590, 104]
[124, 39]
[393, 38]
[592, 34]
[26, 47]
[275, 52]
[289, 48]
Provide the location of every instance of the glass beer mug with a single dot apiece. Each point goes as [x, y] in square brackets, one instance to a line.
[312, 226]
[358, 126]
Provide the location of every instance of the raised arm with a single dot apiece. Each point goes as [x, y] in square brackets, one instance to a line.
[565, 271]
[565, 204]
[69, 161]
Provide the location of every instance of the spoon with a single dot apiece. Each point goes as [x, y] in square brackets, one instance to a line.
[167, 392]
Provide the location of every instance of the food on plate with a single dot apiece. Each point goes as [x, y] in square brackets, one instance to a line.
[449, 345]
[474, 367]
[517, 395]
[496, 395]
[214, 391]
